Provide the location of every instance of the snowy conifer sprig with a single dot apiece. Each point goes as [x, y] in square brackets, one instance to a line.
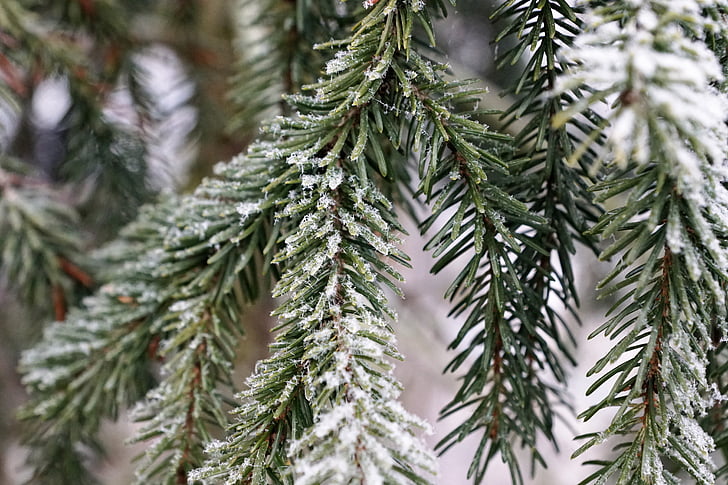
[325, 401]
[667, 149]
[331, 154]
[714, 421]
[541, 179]
[181, 412]
[180, 304]
[223, 243]
[92, 364]
[313, 205]
[193, 291]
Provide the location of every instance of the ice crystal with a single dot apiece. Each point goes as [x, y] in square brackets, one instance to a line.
[308, 181]
[340, 62]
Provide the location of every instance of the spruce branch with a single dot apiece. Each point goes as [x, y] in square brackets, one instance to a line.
[715, 421]
[667, 149]
[327, 369]
[187, 405]
[521, 262]
[99, 361]
[181, 303]
[312, 206]
[209, 268]
[545, 183]
[217, 265]
[460, 163]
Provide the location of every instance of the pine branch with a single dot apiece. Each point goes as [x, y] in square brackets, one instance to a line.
[550, 187]
[211, 266]
[187, 300]
[667, 144]
[311, 206]
[327, 370]
[505, 287]
[202, 324]
[89, 366]
[187, 405]
[714, 422]
[483, 288]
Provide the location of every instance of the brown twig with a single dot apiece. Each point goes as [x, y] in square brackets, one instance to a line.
[59, 303]
[75, 272]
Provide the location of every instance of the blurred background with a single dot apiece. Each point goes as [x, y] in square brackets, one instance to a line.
[102, 107]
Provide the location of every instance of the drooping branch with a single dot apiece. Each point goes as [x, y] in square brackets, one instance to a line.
[667, 156]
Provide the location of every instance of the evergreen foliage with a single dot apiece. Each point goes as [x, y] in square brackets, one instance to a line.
[41, 247]
[520, 340]
[666, 149]
[104, 155]
[621, 105]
